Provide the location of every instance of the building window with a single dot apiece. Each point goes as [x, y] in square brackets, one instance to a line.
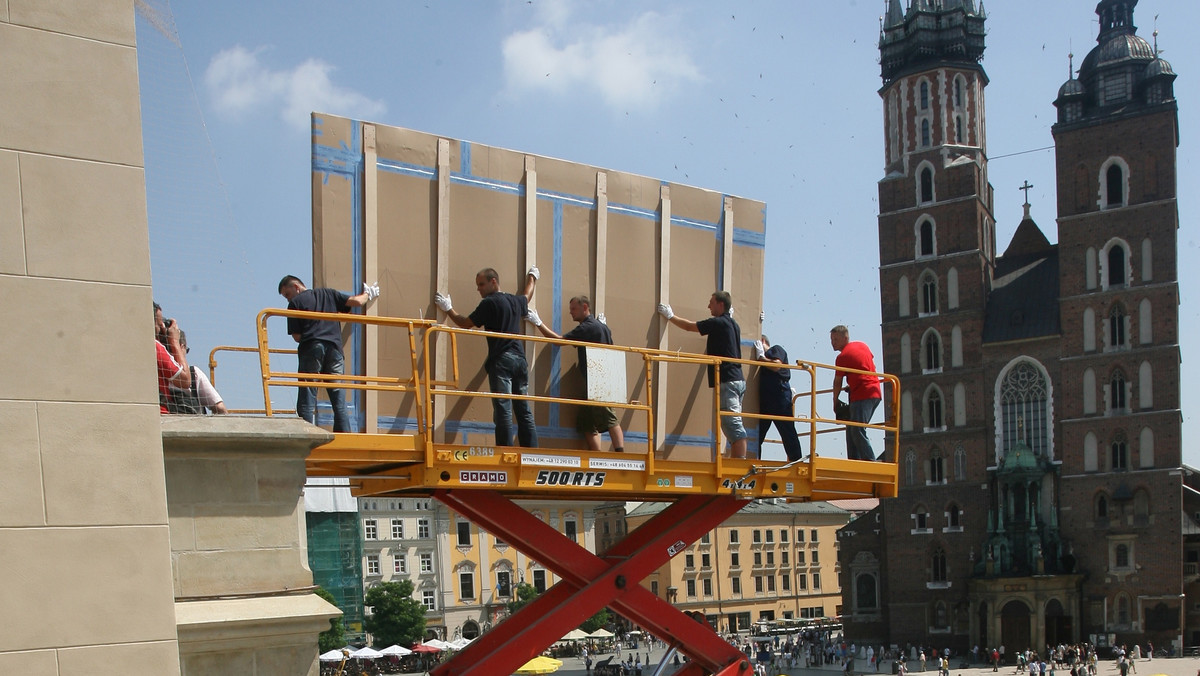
[570, 528]
[926, 239]
[926, 196]
[689, 561]
[427, 597]
[954, 517]
[783, 536]
[802, 582]
[939, 565]
[785, 583]
[733, 536]
[705, 560]
[706, 539]
[758, 584]
[960, 464]
[865, 598]
[757, 559]
[426, 562]
[920, 519]
[370, 530]
[734, 560]
[756, 536]
[1101, 507]
[423, 529]
[504, 584]
[1115, 180]
[933, 414]
[654, 587]
[816, 580]
[929, 294]
[770, 559]
[1120, 454]
[800, 557]
[910, 467]
[691, 589]
[924, 96]
[783, 558]
[959, 100]
[1122, 556]
[464, 533]
[1024, 404]
[1118, 274]
[1116, 326]
[397, 529]
[539, 580]
[770, 584]
[770, 537]
[812, 535]
[466, 585]
[925, 140]
[816, 558]
[707, 586]
[1116, 391]
[399, 564]
[799, 536]
[958, 129]
[735, 583]
[372, 564]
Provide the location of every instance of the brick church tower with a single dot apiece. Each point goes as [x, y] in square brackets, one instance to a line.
[1040, 491]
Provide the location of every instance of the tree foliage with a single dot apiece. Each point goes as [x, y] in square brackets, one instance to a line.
[335, 636]
[396, 618]
[525, 593]
[597, 621]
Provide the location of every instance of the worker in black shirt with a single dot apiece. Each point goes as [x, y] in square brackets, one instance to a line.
[592, 420]
[775, 397]
[507, 369]
[724, 340]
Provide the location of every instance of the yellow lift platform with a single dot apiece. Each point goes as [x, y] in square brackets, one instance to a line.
[481, 482]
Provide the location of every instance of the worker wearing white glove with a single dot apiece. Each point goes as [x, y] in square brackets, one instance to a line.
[759, 349]
[508, 372]
[372, 290]
[533, 318]
[724, 340]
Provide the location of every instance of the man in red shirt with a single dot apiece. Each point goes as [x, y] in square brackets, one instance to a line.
[865, 393]
[172, 364]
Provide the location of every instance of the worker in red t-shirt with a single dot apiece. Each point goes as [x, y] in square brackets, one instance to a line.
[865, 393]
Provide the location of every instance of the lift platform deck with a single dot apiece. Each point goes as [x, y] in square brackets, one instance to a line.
[482, 482]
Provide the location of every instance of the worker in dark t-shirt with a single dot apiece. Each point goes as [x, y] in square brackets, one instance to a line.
[775, 397]
[507, 369]
[724, 340]
[319, 342]
[592, 420]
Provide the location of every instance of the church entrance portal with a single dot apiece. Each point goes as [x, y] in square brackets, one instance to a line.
[1014, 627]
[1058, 625]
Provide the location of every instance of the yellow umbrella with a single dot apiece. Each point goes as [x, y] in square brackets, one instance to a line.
[540, 665]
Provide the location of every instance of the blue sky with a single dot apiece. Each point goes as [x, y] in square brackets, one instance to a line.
[775, 101]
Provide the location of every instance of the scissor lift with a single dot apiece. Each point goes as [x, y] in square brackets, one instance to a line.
[482, 482]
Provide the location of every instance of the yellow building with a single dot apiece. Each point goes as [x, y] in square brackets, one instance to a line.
[770, 561]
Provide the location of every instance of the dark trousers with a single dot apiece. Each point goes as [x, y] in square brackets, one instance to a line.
[779, 404]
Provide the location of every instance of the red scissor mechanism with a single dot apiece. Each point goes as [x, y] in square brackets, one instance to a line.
[589, 583]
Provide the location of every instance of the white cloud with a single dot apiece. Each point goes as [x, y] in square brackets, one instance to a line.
[239, 83]
[630, 66]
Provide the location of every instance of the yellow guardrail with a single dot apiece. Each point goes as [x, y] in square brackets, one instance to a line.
[424, 336]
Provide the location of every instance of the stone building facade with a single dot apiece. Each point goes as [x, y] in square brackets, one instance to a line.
[1042, 498]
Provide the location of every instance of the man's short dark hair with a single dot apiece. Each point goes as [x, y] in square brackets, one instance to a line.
[724, 298]
[582, 300]
[489, 273]
[286, 281]
[841, 330]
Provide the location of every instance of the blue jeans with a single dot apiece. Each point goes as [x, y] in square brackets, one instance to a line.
[509, 374]
[321, 356]
[858, 447]
[731, 400]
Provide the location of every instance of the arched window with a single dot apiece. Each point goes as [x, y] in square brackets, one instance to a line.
[956, 346]
[952, 289]
[1089, 265]
[924, 96]
[1116, 271]
[1089, 329]
[938, 565]
[958, 129]
[1123, 602]
[1089, 391]
[960, 405]
[910, 468]
[1101, 507]
[1146, 448]
[1091, 452]
[960, 464]
[1145, 386]
[1145, 327]
[1117, 401]
[1116, 326]
[928, 243]
[1024, 407]
[933, 412]
[925, 140]
[1119, 456]
[931, 352]
[865, 597]
[906, 412]
[929, 294]
[959, 99]
[954, 517]
[905, 354]
[902, 292]
[1147, 261]
[1115, 184]
[927, 190]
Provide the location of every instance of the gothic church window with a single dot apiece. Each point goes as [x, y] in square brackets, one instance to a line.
[910, 468]
[1145, 327]
[939, 567]
[924, 96]
[1116, 326]
[1089, 330]
[1024, 407]
[1117, 402]
[931, 352]
[1147, 261]
[1114, 183]
[865, 592]
[927, 196]
[902, 294]
[1091, 452]
[928, 243]
[1145, 386]
[1119, 456]
[954, 517]
[1116, 272]
[958, 129]
[1146, 448]
[1089, 392]
[952, 289]
[905, 354]
[929, 294]
[925, 139]
[960, 411]
[933, 414]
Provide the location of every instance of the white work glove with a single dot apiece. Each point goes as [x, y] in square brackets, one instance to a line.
[762, 317]
[443, 302]
[666, 311]
[730, 312]
[759, 350]
[372, 290]
[602, 319]
[534, 272]
[533, 318]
